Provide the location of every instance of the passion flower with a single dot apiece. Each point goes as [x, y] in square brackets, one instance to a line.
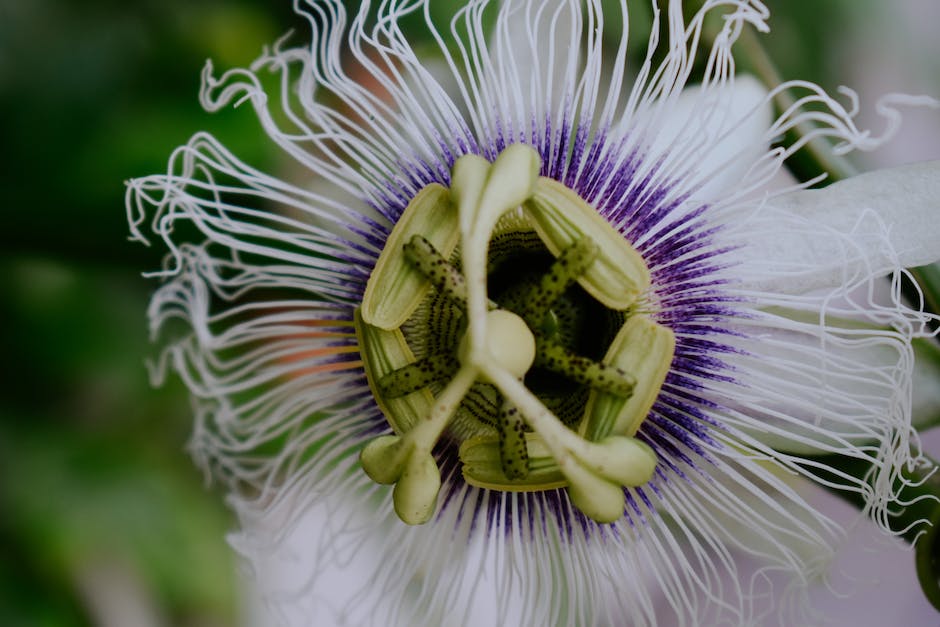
[556, 300]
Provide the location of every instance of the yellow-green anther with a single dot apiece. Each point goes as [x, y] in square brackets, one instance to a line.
[624, 460]
[645, 349]
[415, 494]
[596, 472]
[384, 352]
[442, 275]
[395, 287]
[483, 466]
[599, 376]
[564, 271]
[560, 217]
[513, 452]
[599, 499]
[384, 458]
[418, 375]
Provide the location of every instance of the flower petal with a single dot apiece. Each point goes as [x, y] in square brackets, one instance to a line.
[724, 126]
[817, 389]
[867, 225]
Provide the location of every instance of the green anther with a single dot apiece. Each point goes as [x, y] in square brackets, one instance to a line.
[513, 454]
[619, 275]
[418, 375]
[442, 275]
[384, 352]
[483, 466]
[596, 471]
[646, 348]
[556, 358]
[395, 288]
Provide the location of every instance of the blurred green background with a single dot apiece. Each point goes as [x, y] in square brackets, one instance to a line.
[103, 518]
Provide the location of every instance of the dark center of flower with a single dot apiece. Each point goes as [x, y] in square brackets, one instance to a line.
[502, 315]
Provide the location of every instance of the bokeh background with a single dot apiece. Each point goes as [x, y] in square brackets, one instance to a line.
[103, 519]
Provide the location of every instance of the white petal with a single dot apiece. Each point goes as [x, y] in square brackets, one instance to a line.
[867, 225]
[812, 390]
[535, 57]
[724, 128]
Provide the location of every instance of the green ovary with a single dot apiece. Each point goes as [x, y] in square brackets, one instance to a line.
[510, 329]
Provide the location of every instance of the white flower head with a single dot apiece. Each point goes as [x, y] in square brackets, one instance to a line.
[550, 301]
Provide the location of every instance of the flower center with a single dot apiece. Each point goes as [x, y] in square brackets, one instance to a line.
[502, 315]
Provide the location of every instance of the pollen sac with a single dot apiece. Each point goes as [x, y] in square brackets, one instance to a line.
[383, 353]
[483, 466]
[561, 218]
[415, 493]
[396, 287]
[645, 350]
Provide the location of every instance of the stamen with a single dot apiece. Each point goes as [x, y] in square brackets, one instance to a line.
[515, 442]
[561, 217]
[395, 288]
[595, 470]
[647, 349]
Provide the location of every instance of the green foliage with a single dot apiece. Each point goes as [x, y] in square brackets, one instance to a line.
[93, 471]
